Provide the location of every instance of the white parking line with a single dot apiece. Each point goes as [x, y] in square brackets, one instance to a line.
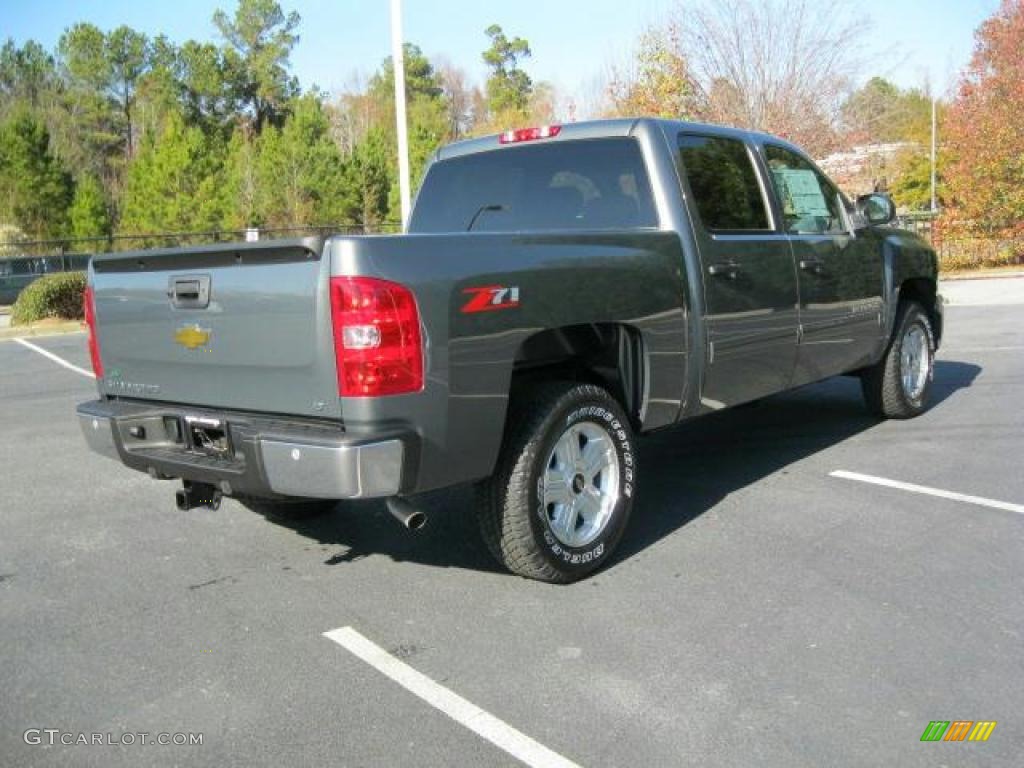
[980, 501]
[57, 360]
[981, 349]
[464, 712]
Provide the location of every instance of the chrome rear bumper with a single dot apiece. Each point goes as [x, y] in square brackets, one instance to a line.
[332, 471]
[270, 457]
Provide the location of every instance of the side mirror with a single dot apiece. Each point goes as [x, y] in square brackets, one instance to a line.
[876, 209]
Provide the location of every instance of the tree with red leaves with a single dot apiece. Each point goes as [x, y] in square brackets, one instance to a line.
[985, 129]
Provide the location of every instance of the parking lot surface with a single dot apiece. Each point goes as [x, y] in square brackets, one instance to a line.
[761, 611]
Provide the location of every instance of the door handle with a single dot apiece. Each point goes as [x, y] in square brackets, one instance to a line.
[815, 266]
[186, 290]
[189, 291]
[729, 269]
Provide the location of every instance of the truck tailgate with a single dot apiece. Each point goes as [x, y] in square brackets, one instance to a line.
[241, 326]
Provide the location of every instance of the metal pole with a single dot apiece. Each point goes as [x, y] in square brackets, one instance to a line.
[398, 61]
[934, 206]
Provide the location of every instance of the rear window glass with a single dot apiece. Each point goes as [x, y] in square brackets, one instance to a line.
[593, 184]
[723, 183]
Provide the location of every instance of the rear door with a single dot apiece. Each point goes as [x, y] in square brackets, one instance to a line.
[840, 274]
[239, 326]
[750, 289]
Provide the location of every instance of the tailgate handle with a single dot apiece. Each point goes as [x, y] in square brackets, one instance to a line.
[189, 291]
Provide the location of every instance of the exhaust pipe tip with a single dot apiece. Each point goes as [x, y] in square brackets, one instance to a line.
[181, 499]
[405, 513]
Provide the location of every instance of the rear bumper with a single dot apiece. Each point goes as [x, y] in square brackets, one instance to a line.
[270, 457]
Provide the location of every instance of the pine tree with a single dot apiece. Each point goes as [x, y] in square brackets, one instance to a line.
[426, 114]
[89, 214]
[300, 172]
[370, 177]
[241, 183]
[35, 190]
[508, 86]
[260, 37]
[174, 184]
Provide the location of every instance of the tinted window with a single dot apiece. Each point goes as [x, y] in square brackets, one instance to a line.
[723, 183]
[594, 184]
[810, 203]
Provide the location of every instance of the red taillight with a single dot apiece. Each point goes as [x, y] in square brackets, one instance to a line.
[529, 134]
[89, 307]
[377, 342]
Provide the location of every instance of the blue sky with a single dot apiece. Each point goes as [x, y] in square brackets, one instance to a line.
[572, 40]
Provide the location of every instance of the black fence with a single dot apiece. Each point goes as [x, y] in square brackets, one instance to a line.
[17, 273]
[21, 262]
[920, 223]
[968, 245]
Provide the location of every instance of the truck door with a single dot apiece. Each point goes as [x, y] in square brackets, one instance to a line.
[840, 275]
[750, 288]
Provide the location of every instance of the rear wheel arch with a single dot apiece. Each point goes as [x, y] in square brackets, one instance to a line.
[608, 355]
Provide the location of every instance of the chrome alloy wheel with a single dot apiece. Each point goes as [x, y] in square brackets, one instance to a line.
[915, 361]
[580, 486]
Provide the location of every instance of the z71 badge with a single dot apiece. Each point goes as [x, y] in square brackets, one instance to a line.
[487, 298]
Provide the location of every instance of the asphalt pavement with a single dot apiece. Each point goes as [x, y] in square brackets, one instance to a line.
[760, 611]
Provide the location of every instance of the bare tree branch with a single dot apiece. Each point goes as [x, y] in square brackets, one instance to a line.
[782, 66]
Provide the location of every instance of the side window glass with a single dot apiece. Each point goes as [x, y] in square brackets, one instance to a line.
[810, 203]
[723, 183]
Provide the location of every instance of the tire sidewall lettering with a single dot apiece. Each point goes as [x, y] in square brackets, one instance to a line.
[593, 552]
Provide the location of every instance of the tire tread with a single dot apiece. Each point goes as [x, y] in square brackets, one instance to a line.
[504, 499]
[880, 384]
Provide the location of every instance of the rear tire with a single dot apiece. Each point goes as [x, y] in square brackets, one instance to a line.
[897, 386]
[561, 495]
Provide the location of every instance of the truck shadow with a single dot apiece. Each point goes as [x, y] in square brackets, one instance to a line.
[685, 471]
[688, 470]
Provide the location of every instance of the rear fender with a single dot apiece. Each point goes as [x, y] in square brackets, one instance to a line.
[529, 284]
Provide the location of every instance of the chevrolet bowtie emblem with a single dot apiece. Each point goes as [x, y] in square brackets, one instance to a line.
[192, 337]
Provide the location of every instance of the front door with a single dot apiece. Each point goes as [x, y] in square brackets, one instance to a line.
[750, 287]
[840, 274]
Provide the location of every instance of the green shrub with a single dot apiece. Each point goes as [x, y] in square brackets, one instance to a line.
[56, 295]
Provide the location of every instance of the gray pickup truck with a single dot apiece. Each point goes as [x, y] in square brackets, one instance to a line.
[560, 290]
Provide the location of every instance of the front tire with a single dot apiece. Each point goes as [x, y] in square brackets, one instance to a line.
[560, 498]
[897, 386]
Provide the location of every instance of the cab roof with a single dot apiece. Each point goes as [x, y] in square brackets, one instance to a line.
[609, 128]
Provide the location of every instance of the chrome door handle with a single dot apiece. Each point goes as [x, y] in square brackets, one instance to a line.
[729, 269]
[814, 266]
